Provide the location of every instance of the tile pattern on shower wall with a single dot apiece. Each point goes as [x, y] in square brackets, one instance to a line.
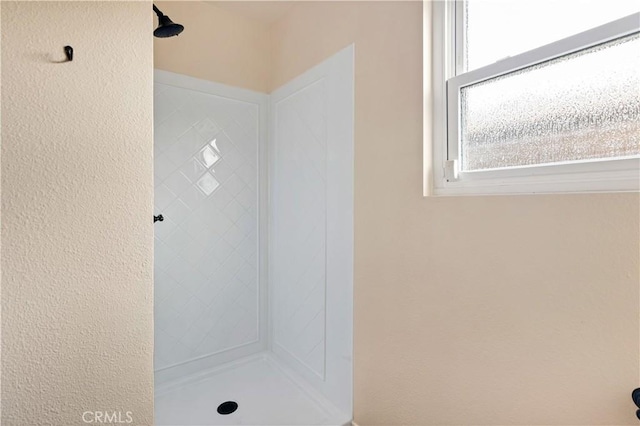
[206, 260]
[300, 226]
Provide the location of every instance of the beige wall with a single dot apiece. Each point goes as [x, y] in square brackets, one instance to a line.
[218, 45]
[468, 310]
[77, 192]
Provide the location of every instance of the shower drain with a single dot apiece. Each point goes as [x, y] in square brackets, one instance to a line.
[227, 407]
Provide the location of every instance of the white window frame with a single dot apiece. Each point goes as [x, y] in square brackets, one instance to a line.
[607, 175]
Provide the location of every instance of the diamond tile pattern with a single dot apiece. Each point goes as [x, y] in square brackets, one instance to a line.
[206, 280]
[299, 214]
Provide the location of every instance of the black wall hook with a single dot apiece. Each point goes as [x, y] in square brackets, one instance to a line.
[635, 396]
[68, 50]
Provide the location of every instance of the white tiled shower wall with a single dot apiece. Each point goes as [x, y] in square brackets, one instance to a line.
[213, 301]
[299, 228]
[311, 227]
[206, 249]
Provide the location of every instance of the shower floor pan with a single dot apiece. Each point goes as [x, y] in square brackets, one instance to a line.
[267, 393]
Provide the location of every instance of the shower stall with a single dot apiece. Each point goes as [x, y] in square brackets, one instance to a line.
[254, 257]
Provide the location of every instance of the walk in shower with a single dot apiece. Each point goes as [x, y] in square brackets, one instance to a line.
[254, 257]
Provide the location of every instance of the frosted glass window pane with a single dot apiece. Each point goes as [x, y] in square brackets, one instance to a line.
[495, 29]
[578, 107]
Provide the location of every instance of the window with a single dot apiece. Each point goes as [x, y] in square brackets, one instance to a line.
[536, 96]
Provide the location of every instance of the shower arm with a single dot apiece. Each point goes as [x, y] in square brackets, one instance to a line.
[157, 11]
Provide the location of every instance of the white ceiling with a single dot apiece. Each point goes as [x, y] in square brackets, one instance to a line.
[266, 12]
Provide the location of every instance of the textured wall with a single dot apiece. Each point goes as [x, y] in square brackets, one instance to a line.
[77, 192]
[217, 45]
[468, 310]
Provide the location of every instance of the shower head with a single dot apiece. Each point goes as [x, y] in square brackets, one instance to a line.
[166, 27]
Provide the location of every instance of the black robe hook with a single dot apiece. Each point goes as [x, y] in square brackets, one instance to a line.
[68, 50]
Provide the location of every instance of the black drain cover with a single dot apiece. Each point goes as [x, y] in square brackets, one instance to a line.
[227, 407]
